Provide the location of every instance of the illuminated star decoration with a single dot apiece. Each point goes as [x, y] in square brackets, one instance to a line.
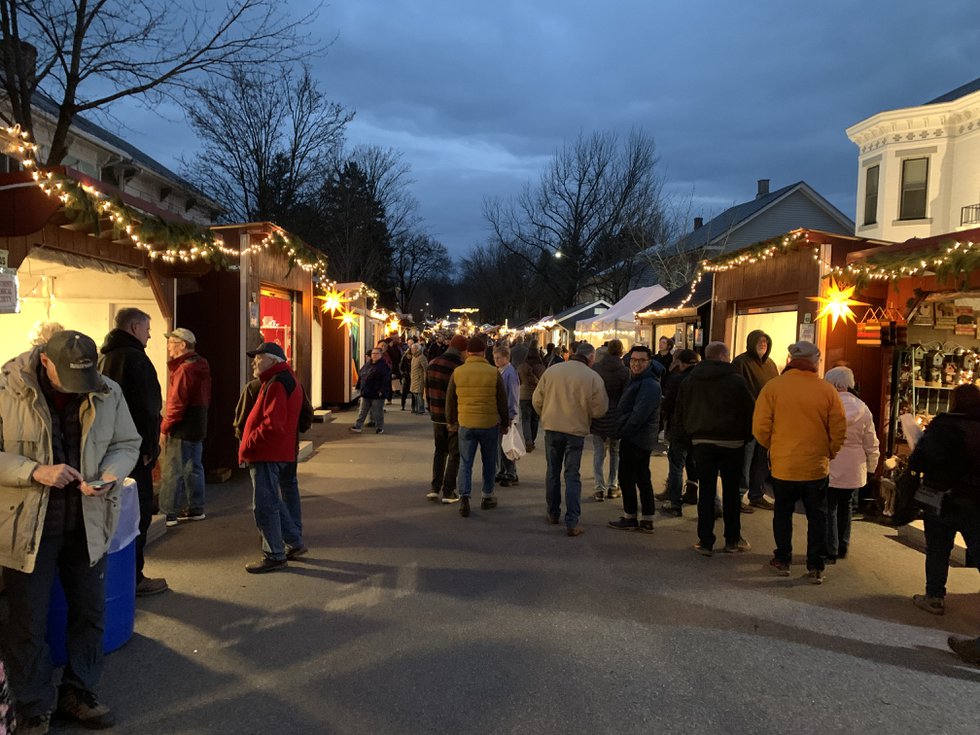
[333, 300]
[346, 318]
[393, 326]
[837, 303]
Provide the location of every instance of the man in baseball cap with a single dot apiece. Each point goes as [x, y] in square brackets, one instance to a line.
[74, 358]
[268, 348]
[184, 335]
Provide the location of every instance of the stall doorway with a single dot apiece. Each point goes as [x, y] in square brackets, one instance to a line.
[277, 318]
[779, 322]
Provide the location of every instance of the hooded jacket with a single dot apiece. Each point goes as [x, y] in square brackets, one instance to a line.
[188, 398]
[799, 419]
[110, 446]
[756, 370]
[124, 360]
[615, 377]
[639, 408]
[713, 404]
[859, 455]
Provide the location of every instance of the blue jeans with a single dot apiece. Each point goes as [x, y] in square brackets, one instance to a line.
[755, 470]
[182, 477]
[275, 503]
[599, 445]
[840, 503]
[469, 440]
[529, 421]
[813, 493]
[377, 408]
[564, 450]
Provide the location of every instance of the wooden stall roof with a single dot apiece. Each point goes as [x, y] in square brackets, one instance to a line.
[913, 245]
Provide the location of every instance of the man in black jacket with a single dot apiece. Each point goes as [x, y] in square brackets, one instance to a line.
[714, 412]
[123, 359]
[757, 368]
[678, 450]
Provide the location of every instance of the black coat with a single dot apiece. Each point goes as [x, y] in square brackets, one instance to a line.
[948, 454]
[124, 360]
[615, 377]
[639, 409]
[714, 403]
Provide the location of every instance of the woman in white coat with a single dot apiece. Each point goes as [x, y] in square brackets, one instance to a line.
[849, 469]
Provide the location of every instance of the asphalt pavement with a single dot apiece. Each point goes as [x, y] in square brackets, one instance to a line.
[406, 618]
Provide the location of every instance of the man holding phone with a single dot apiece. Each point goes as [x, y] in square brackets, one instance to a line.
[66, 435]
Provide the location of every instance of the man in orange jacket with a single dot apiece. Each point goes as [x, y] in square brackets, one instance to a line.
[799, 418]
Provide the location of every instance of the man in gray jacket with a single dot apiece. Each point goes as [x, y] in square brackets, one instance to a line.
[66, 437]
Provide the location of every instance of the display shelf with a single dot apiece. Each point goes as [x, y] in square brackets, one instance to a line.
[926, 386]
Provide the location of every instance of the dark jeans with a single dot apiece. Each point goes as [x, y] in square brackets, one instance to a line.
[679, 458]
[25, 651]
[143, 474]
[813, 493]
[840, 505]
[469, 440]
[276, 505]
[506, 467]
[529, 421]
[634, 476]
[445, 460]
[564, 451]
[940, 532]
[756, 470]
[711, 461]
[407, 391]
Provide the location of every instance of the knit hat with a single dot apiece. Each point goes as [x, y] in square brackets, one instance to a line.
[476, 344]
[804, 350]
[459, 342]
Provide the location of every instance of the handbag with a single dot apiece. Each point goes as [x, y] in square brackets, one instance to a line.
[930, 499]
[513, 443]
[904, 508]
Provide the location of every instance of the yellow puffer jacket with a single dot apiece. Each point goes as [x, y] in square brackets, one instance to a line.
[110, 446]
[476, 397]
[799, 418]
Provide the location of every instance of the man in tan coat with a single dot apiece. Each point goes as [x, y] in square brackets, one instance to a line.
[799, 418]
[569, 395]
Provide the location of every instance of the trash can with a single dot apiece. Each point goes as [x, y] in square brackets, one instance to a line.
[120, 585]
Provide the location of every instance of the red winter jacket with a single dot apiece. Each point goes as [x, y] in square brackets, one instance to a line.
[188, 397]
[271, 432]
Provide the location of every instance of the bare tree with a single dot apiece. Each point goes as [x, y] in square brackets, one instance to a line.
[267, 140]
[389, 178]
[417, 258]
[563, 229]
[87, 54]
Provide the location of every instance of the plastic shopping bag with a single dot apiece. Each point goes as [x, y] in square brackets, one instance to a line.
[513, 442]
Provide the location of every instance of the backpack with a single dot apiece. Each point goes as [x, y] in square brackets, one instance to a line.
[306, 413]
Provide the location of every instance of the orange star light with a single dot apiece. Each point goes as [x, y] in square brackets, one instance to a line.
[837, 303]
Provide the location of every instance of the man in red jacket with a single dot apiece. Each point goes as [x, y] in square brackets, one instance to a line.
[269, 445]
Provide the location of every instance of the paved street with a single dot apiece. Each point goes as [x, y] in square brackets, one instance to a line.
[406, 618]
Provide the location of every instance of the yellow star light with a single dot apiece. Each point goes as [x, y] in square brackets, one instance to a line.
[346, 318]
[333, 300]
[837, 303]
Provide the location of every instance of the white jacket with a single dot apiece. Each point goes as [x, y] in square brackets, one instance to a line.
[859, 455]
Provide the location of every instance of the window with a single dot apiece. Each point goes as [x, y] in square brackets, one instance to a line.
[871, 196]
[915, 173]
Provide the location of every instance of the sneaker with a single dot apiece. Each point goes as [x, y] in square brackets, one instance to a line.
[172, 521]
[355, 429]
[505, 482]
[379, 430]
[646, 527]
[764, 503]
[265, 565]
[703, 550]
[451, 498]
[598, 496]
[737, 548]
[781, 568]
[464, 507]
[934, 605]
[84, 707]
[293, 551]
[669, 509]
[660, 496]
[370, 424]
[36, 725]
[625, 524]
[499, 478]
[614, 493]
[433, 496]
[146, 587]
[514, 481]
[488, 503]
[192, 515]
[553, 520]
[575, 531]
[529, 447]
[965, 648]
[814, 576]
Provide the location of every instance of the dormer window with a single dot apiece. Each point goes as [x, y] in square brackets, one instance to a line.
[915, 176]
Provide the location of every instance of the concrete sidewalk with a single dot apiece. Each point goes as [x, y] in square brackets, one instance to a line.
[407, 618]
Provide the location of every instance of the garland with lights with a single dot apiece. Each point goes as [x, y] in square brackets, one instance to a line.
[945, 261]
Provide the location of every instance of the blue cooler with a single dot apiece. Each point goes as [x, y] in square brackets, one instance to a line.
[120, 585]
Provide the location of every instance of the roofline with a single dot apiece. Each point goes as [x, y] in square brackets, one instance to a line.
[929, 108]
[914, 244]
[583, 308]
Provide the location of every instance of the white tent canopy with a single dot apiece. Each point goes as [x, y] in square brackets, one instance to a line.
[618, 321]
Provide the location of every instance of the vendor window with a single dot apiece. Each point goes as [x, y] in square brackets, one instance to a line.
[276, 318]
[915, 174]
[871, 195]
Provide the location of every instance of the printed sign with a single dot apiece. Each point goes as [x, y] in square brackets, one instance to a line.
[9, 301]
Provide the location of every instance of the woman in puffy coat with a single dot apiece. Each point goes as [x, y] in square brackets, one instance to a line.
[849, 469]
[419, 364]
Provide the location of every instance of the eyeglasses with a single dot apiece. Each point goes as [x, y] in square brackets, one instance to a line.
[639, 359]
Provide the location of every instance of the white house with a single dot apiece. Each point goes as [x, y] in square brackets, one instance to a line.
[919, 168]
